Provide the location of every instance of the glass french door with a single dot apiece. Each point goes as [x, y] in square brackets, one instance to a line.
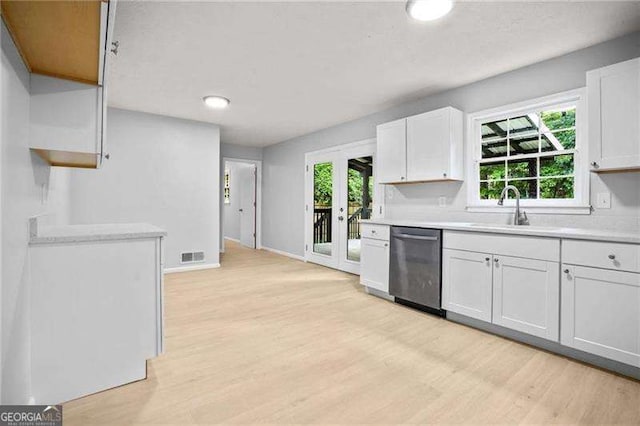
[340, 188]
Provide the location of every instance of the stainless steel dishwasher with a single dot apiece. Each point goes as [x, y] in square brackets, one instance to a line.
[415, 268]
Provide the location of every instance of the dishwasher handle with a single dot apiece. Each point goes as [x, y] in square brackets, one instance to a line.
[416, 237]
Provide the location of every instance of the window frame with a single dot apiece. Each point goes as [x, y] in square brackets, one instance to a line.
[577, 205]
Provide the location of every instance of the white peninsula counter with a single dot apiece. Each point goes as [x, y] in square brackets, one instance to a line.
[96, 307]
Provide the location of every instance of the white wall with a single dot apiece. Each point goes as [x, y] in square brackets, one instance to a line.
[228, 150]
[164, 171]
[29, 187]
[230, 212]
[283, 180]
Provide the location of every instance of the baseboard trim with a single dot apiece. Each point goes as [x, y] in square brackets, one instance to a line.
[191, 268]
[547, 345]
[235, 240]
[378, 293]
[284, 253]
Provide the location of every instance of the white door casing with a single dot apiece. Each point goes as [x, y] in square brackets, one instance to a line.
[247, 192]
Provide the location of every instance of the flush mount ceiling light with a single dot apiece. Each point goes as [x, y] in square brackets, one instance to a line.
[217, 102]
[428, 10]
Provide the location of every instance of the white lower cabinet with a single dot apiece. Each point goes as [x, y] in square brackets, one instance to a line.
[467, 283]
[480, 280]
[374, 264]
[526, 296]
[601, 312]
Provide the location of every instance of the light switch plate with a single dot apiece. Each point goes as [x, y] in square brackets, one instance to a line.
[604, 200]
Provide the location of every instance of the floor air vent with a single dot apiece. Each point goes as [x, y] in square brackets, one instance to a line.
[192, 257]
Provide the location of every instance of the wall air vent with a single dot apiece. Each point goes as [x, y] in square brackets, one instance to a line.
[198, 256]
[192, 257]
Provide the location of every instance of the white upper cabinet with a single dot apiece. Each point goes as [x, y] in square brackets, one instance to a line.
[67, 52]
[434, 146]
[614, 117]
[422, 148]
[392, 151]
[65, 115]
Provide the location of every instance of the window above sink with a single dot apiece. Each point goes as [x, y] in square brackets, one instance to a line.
[538, 146]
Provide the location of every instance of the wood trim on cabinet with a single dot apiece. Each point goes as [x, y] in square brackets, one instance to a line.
[56, 38]
[82, 160]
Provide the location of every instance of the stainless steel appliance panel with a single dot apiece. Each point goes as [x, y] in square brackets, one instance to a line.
[415, 265]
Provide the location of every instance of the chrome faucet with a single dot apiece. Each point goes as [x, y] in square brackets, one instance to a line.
[519, 218]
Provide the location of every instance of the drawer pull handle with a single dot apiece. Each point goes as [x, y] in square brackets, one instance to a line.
[416, 237]
[373, 231]
[487, 259]
[612, 256]
[566, 271]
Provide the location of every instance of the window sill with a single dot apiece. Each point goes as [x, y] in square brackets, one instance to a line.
[574, 210]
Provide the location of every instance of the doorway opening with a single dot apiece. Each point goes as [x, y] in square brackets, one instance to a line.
[241, 199]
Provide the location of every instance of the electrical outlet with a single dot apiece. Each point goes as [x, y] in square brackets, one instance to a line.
[603, 200]
[442, 201]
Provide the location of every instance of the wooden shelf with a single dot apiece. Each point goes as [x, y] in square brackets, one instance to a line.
[81, 160]
[57, 38]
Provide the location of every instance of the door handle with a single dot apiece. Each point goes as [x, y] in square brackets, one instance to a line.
[240, 210]
[341, 218]
[416, 237]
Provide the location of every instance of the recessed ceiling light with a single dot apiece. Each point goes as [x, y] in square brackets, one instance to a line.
[428, 10]
[217, 102]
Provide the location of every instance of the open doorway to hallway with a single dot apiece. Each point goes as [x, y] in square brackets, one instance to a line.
[241, 202]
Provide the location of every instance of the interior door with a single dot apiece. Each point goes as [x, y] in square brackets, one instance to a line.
[247, 186]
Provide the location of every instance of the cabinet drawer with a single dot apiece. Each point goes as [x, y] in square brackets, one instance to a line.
[376, 232]
[616, 256]
[507, 245]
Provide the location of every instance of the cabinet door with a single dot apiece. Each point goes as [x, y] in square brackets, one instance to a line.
[108, 13]
[466, 283]
[601, 312]
[614, 109]
[374, 264]
[392, 152]
[428, 140]
[526, 296]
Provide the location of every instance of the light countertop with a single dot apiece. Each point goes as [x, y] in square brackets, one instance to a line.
[99, 232]
[537, 231]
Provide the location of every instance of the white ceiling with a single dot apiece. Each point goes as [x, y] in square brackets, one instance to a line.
[295, 67]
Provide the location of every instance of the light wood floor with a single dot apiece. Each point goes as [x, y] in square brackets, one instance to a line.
[267, 339]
